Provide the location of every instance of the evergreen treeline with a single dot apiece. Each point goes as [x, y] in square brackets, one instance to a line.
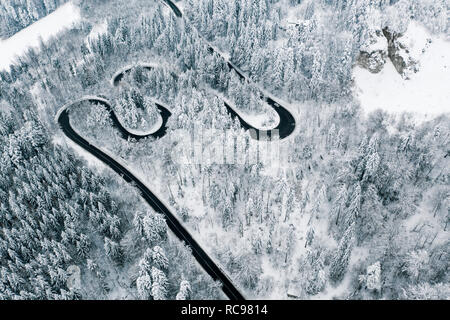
[312, 56]
[18, 14]
[57, 216]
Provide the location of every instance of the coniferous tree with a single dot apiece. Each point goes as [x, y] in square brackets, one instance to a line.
[341, 258]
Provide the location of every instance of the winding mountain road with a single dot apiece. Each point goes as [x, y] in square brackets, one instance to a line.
[285, 128]
[63, 118]
[286, 125]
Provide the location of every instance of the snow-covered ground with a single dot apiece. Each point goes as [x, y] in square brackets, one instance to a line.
[98, 30]
[426, 94]
[63, 17]
[90, 159]
[263, 121]
[140, 132]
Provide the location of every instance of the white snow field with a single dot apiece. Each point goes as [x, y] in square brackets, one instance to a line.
[426, 94]
[63, 17]
[98, 30]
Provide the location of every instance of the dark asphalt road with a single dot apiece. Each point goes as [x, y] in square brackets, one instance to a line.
[287, 122]
[174, 8]
[285, 127]
[175, 226]
[164, 112]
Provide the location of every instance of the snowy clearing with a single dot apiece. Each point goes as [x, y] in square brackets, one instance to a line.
[63, 17]
[426, 93]
[98, 30]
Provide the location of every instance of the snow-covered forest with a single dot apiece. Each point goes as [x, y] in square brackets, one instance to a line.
[18, 14]
[352, 203]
